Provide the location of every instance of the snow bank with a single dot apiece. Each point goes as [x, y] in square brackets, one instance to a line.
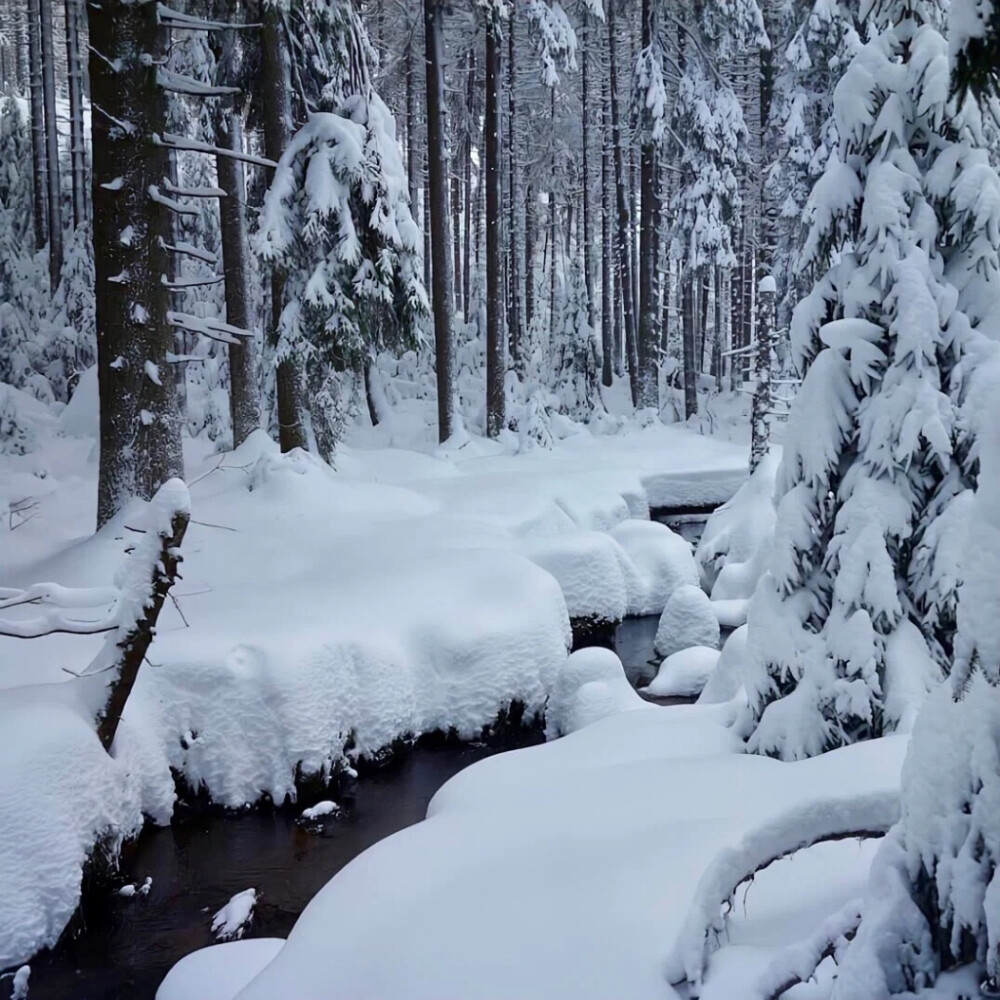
[727, 677]
[683, 674]
[588, 850]
[688, 619]
[590, 686]
[218, 972]
[659, 561]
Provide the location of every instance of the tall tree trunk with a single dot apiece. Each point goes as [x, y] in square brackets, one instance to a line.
[494, 295]
[516, 224]
[609, 308]
[244, 403]
[588, 228]
[530, 239]
[624, 216]
[717, 331]
[440, 236]
[289, 382]
[760, 422]
[140, 445]
[77, 143]
[52, 146]
[649, 221]
[467, 171]
[688, 319]
[456, 224]
[38, 149]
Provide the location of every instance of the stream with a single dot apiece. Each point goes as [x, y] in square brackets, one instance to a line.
[126, 946]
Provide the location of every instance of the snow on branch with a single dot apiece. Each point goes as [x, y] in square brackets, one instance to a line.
[192, 192]
[798, 963]
[182, 283]
[169, 203]
[179, 21]
[191, 251]
[177, 83]
[843, 818]
[196, 146]
[214, 329]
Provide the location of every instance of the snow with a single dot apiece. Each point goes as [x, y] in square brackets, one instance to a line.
[403, 593]
[325, 808]
[685, 673]
[218, 972]
[233, 919]
[727, 677]
[590, 851]
[689, 619]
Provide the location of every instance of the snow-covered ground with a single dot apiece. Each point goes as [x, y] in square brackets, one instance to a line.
[579, 869]
[404, 592]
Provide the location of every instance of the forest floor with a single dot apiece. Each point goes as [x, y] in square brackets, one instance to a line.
[321, 613]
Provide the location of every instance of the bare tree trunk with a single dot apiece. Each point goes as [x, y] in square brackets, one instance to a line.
[717, 331]
[467, 170]
[607, 270]
[760, 422]
[52, 146]
[624, 216]
[588, 228]
[688, 280]
[77, 143]
[244, 403]
[289, 382]
[140, 445]
[440, 236]
[516, 224]
[530, 239]
[494, 295]
[38, 149]
[456, 225]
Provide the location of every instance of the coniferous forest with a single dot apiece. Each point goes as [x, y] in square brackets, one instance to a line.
[386, 385]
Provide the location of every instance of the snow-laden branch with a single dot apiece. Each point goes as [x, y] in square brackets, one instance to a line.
[196, 146]
[868, 815]
[171, 204]
[179, 21]
[177, 83]
[182, 283]
[799, 962]
[214, 329]
[190, 250]
[192, 192]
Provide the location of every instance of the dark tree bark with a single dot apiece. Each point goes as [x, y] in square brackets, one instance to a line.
[530, 241]
[437, 156]
[140, 422]
[495, 361]
[470, 109]
[760, 421]
[516, 224]
[51, 146]
[244, 402]
[289, 383]
[588, 229]
[627, 281]
[688, 320]
[608, 301]
[77, 142]
[38, 149]
[649, 222]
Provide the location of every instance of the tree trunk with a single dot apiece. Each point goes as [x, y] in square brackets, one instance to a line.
[627, 281]
[456, 226]
[717, 331]
[467, 172]
[289, 383]
[649, 221]
[530, 239]
[77, 143]
[688, 279]
[760, 422]
[516, 224]
[588, 228]
[52, 146]
[494, 295]
[608, 301]
[38, 150]
[244, 403]
[440, 236]
[140, 445]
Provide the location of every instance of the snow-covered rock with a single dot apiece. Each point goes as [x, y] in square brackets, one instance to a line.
[325, 808]
[233, 919]
[687, 620]
[685, 673]
[659, 561]
[590, 686]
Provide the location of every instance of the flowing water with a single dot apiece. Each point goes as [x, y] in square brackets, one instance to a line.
[124, 947]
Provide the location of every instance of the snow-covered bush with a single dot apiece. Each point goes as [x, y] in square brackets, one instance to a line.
[590, 686]
[904, 225]
[687, 620]
[685, 673]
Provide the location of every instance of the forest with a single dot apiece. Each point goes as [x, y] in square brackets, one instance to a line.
[512, 480]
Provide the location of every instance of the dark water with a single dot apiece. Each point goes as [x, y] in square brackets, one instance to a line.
[126, 946]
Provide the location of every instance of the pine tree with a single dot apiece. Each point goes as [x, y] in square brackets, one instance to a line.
[876, 451]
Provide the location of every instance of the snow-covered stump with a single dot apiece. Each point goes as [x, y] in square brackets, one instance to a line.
[861, 816]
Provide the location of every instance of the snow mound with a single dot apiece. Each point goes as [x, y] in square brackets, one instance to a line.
[736, 530]
[658, 562]
[218, 972]
[24, 421]
[727, 677]
[688, 619]
[685, 673]
[59, 793]
[589, 569]
[590, 686]
[81, 417]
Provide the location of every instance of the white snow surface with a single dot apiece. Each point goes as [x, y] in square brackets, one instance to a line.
[685, 673]
[232, 920]
[689, 619]
[589, 849]
[726, 679]
[388, 597]
[218, 972]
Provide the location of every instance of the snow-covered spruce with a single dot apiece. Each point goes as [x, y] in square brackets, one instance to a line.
[903, 237]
